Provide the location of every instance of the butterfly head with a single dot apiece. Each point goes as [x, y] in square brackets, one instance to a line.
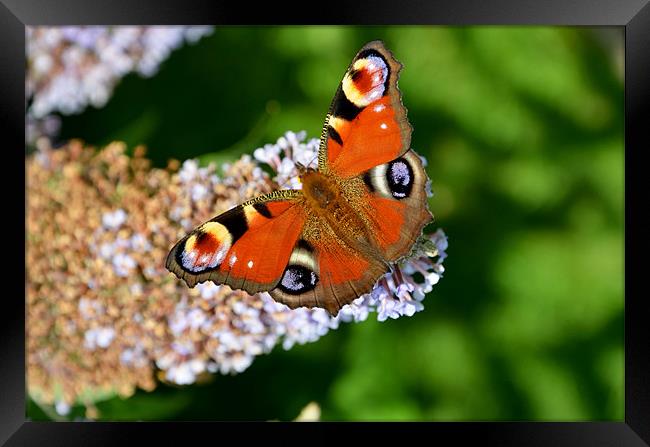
[303, 170]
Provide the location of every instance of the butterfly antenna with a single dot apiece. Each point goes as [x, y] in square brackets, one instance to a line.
[312, 160]
[299, 170]
[283, 184]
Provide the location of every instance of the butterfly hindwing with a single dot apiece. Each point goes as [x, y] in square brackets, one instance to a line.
[396, 204]
[246, 247]
[330, 272]
[366, 125]
[327, 274]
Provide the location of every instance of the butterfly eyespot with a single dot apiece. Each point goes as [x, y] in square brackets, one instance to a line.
[298, 279]
[366, 80]
[400, 178]
[206, 249]
[394, 179]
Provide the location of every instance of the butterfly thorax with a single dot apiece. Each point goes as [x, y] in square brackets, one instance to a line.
[319, 189]
[324, 196]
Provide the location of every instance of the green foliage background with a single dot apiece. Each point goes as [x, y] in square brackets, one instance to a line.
[523, 132]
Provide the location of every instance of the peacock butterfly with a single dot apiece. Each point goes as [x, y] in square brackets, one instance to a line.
[362, 209]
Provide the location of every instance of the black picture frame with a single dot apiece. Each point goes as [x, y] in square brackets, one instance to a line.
[633, 15]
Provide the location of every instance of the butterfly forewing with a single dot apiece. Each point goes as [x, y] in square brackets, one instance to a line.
[246, 247]
[366, 125]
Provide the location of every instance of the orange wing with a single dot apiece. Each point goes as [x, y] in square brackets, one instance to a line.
[396, 204]
[366, 125]
[327, 273]
[246, 247]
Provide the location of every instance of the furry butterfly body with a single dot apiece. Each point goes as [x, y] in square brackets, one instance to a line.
[361, 210]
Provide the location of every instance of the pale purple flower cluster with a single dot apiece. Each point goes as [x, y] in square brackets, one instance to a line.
[130, 312]
[71, 67]
[110, 245]
[285, 153]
